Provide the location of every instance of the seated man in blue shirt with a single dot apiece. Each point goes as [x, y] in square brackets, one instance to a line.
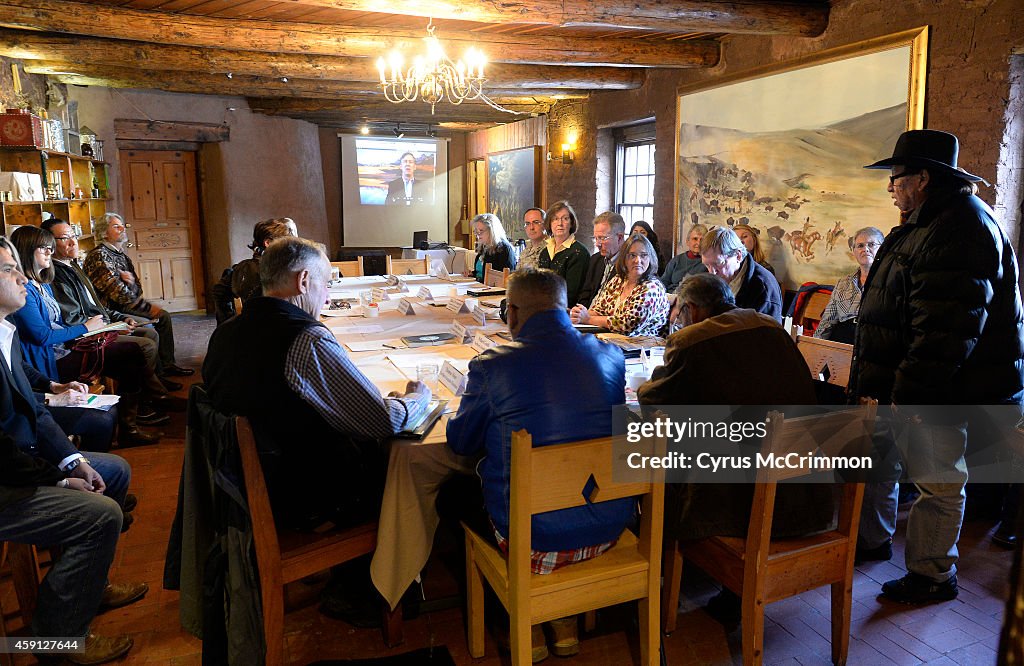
[522, 385]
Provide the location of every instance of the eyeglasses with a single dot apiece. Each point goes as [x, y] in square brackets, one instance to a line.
[67, 238]
[561, 218]
[633, 256]
[533, 222]
[602, 239]
[45, 248]
[894, 178]
[866, 246]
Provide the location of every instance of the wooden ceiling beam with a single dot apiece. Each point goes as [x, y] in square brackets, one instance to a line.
[218, 84]
[387, 113]
[783, 17]
[313, 38]
[74, 51]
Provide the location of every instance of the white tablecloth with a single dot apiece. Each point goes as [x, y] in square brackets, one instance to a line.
[456, 260]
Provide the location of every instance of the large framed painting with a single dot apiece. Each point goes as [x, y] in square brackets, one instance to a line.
[513, 186]
[782, 149]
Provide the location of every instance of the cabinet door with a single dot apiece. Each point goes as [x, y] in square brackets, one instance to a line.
[162, 215]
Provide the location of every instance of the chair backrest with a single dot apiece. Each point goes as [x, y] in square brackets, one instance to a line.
[407, 266]
[819, 354]
[493, 278]
[265, 542]
[350, 268]
[808, 314]
[842, 433]
[556, 476]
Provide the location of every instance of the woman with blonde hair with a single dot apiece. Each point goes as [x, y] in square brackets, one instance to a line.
[633, 301]
[749, 236]
[492, 246]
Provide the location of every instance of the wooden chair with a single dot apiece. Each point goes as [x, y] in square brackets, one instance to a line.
[26, 574]
[553, 477]
[407, 266]
[352, 268]
[761, 570]
[809, 313]
[821, 354]
[287, 556]
[493, 278]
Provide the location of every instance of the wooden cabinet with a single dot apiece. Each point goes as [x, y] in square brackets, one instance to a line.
[77, 174]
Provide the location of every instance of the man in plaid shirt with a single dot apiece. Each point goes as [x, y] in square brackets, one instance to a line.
[560, 386]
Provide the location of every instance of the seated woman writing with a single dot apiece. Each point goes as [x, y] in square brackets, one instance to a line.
[633, 301]
[46, 341]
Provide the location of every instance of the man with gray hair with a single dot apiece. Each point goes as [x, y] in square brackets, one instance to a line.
[112, 273]
[724, 255]
[609, 234]
[317, 419]
[521, 386]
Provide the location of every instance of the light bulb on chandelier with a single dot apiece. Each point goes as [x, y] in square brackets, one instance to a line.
[434, 77]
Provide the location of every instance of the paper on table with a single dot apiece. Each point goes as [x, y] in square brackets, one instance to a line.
[369, 328]
[373, 345]
[409, 362]
[103, 402]
[350, 312]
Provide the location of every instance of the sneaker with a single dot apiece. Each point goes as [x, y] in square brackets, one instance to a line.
[882, 553]
[917, 589]
[116, 595]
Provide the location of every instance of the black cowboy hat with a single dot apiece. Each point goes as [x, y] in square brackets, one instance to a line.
[927, 149]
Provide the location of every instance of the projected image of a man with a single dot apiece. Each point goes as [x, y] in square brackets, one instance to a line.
[409, 190]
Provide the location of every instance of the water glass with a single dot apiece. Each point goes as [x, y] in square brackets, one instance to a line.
[428, 373]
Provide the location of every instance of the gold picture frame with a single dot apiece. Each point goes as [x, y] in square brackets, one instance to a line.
[782, 147]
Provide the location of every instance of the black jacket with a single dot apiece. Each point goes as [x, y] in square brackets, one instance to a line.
[760, 290]
[593, 280]
[72, 289]
[20, 473]
[940, 319]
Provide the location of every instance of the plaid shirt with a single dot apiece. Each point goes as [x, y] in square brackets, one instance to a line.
[542, 562]
[843, 305]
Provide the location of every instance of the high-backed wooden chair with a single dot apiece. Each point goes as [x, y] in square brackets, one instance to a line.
[761, 570]
[493, 278]
[407, 266]
[554, 477]
[287, 556]
[821, 354]
[352, 268]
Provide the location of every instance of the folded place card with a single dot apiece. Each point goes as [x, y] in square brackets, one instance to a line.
[459, 331]
[482, 343]
[391, 281]
[479, 317]
[405, 307]
[452, 379]
[379, 295]
[457, 304]
[425, 294]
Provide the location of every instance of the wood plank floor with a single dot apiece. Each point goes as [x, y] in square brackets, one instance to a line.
[963, 631]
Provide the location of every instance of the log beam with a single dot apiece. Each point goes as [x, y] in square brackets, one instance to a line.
[806, 19]
[314, 38]
[73, 51]
[244, 86]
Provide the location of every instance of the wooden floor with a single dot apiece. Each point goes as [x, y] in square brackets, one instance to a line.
[964, 631]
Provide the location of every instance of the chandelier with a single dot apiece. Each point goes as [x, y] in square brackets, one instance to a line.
[434, 77]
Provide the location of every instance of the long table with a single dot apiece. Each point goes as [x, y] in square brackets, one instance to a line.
[416, 469]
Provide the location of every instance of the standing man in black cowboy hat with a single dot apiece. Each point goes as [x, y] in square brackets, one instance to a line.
[940, 324]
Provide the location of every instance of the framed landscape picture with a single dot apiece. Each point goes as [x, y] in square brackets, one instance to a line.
[512, 186]
[783, 149]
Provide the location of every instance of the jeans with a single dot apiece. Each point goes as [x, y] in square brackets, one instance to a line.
[881, 494]
[87, 526]
[116, 473]
[148, 341]
[94, 426]
[165, 329]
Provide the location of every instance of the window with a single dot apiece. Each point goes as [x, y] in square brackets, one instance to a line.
[634, 169]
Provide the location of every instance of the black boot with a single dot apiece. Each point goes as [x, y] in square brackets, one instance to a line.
[130, 434]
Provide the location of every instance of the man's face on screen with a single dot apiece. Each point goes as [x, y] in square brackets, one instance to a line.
[408, 167]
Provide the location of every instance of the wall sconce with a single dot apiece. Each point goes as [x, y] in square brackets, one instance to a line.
[567, 152]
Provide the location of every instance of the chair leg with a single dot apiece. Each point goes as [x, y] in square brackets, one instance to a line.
[25, 572]
[650, 637]
[752, 630]
[474, 604]
[673, 572]
[589, 621]
[391, 627]
[842, 600]
[521, 638]
[273, 627]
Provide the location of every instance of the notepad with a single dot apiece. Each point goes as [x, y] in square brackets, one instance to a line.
[435, 408]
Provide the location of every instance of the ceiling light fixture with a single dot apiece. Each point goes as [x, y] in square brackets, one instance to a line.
[398, 131]
[434, 77]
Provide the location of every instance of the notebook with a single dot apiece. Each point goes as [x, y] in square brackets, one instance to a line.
[417, 430]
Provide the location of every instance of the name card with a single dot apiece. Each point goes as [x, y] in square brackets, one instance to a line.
[460, 332]
[405, 307]
[425, 294]
[452, 379]
[379, 295]
[391, 280]
[482, 343]
[479, 316]
[457, 304]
